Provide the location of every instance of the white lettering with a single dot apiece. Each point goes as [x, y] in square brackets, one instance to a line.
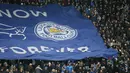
[2, 50]
[7, 13]
[15, 50]
[38, 13]
[70, 49]
[44, 48]
[25, 16]
[61, 50]
[57, 50]
[33, 50]
[83, 49]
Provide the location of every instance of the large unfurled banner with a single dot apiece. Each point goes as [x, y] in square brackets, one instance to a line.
[51, 32]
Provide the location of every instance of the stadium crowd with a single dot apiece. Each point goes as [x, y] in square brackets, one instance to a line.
[112, 19]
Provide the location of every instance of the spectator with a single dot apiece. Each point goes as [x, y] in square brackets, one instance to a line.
[69, 68]
[38, 69]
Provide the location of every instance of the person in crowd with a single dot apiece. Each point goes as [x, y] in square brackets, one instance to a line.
[38, 69]
[69, 68]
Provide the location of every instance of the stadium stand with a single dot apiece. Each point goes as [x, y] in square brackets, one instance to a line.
[112, 19]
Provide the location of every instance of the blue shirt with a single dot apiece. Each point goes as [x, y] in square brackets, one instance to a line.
[69, 69]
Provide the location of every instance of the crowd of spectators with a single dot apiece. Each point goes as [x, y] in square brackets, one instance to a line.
[89, 65]
[112, 19]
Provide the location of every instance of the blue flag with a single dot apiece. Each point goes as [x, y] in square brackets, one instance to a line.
[51, 32]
